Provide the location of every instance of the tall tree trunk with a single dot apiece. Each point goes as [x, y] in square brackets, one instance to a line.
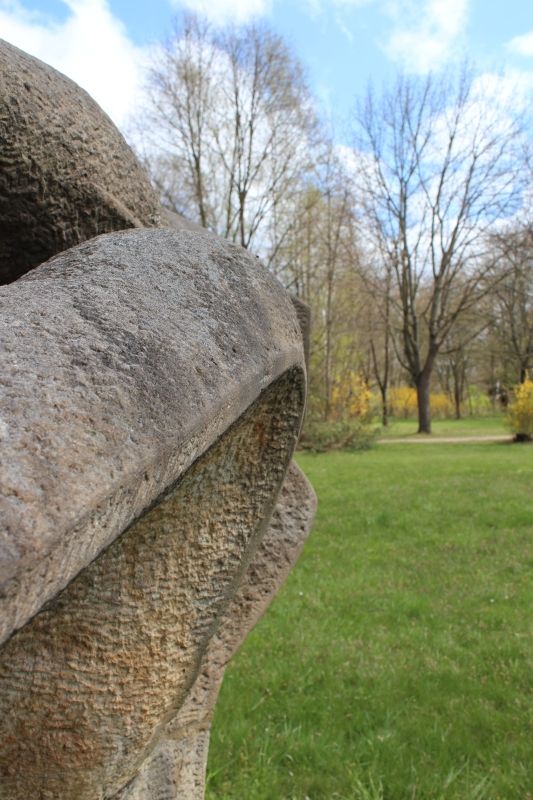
[384, 406]
[459, 370]
[422, 396]
[457, 400]
[327, 360]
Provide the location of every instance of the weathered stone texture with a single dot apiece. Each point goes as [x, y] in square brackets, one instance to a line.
[88, 683]
[66, 173]
[121, 360]
[152, 385]
[176, 766]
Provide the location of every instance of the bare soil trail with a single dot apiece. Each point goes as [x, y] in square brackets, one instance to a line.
[430, 439]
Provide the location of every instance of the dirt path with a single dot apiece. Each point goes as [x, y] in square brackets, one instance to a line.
[424, 439]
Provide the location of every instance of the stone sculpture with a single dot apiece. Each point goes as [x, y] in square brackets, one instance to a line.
[153, 385]
[66, 172]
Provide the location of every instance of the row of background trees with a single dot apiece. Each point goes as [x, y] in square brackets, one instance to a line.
[413, 247]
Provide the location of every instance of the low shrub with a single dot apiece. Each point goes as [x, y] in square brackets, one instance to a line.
[404, 405]
[321, 437]
[351, 397]
[478, 402]
[441, 406]
[520, 412]
[402, 401]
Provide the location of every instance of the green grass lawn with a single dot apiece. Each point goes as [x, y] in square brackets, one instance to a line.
[395, 664]
[469, 426]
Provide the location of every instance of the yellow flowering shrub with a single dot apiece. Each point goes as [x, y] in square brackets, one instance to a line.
[350, 397]
[402, 400]
[403, 403]
[440, 405]
[520, 412]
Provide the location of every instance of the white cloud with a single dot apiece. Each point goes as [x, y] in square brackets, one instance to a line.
[223, 11]
[91, 46]
[522, 45]
[317, 7]
[352, 3]
[423, 34]
[344, 29]
[424, 38]
[504, 94]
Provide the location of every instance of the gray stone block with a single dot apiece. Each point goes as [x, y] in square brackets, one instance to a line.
[151, 395]
[122, 360]
[66, 173]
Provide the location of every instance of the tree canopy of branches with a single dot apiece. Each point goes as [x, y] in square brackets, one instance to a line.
[228, 130]
[413, 262]
[316, 262]
[512, 301]
[438, 166]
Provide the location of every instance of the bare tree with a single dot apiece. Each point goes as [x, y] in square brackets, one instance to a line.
[438, 167]
[174, 126]
[512, 301]
[229, 128]
[379, 314]
[460, 353]
[318, 262]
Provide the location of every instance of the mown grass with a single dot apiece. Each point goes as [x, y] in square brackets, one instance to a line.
[395, 664]
[469, 426]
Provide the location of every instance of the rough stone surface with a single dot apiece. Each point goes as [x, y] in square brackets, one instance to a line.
[152, 385]
[175, 769]
[303, 312]
[121, 361]
[66, 173]
[88, 684]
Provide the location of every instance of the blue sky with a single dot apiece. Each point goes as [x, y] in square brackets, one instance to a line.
[104, 44]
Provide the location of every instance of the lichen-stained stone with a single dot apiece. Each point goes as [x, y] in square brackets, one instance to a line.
[152, 385]
[121, 361]
[87, 686]
[175, 768]
[66, 173]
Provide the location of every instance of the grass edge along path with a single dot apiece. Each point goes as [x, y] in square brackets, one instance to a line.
[465, 428]
[395, 664]
[428, 439]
